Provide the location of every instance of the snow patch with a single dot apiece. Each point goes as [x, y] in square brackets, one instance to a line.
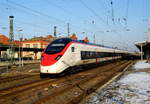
[141, 65]
[137, 80]
[133, 88]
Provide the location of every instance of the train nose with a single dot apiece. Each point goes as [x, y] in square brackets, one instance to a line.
[49, 69]
[47, 60]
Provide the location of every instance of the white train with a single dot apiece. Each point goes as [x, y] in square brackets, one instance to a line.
[64, 53]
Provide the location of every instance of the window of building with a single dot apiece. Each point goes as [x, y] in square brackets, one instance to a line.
[28, 45]
[35, 45]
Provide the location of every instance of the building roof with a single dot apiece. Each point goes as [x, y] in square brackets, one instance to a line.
[74, 37]
[35, 41]
[143, 43]
[4, 39]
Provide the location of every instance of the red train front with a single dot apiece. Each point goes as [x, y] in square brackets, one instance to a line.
[53, 56]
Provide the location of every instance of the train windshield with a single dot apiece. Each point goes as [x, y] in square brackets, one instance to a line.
[57, 46]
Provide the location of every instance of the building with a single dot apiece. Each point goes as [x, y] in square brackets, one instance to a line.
[86, 40]
[36, 42]
[4, 40]
[74, 37]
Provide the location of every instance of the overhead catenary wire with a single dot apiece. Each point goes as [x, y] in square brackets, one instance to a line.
[27, 11]
[65, 11]
[127, 10]
[65, 22]
[116, 20]
[106, 10]
[102, 4]
[112, 10]
[23, 11]
[9, 6]
[62, 9]
[35, 12]
[101, 19]
[91, 10]
[39, 27]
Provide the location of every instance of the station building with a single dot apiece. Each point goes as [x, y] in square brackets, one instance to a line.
[33, 44]
[4, 39]
[144, 48]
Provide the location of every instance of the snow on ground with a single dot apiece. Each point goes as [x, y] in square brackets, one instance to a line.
[141, 65]
[133, 88]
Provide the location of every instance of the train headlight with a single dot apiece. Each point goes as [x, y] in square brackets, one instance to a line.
[58, 57]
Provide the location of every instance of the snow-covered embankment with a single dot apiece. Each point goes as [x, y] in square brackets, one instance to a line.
[133, 88]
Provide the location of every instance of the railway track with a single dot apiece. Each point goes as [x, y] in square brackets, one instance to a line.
[53, 90]
[17, 77]
[99, 79]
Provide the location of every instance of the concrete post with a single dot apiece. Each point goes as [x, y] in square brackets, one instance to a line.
[141, 52]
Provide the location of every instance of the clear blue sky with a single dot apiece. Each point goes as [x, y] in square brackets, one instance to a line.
[86, 18]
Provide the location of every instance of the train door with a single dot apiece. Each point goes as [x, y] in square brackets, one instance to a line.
[74, 56]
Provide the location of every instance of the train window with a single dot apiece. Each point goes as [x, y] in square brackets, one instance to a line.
[92, 55]
[57, 46]
[72, 49]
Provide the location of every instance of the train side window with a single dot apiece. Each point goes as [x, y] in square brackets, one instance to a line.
[72, 49]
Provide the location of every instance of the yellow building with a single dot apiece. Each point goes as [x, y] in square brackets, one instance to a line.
[33, 44]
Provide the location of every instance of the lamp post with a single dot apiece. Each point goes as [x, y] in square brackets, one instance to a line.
[11, 40]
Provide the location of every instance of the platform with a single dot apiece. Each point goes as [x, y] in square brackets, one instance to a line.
[145, 48]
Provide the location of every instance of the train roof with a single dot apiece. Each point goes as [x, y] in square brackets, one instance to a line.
[81, 41]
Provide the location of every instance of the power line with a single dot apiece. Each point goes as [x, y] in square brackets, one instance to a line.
[112, 10]
[102, 4]
[34, 11]
[64, 10]
[61, 8]
[24, 10]
[91, 10]
[39, 13]
[127, 9]
[106, 9]
[45, 15]
[33, 25]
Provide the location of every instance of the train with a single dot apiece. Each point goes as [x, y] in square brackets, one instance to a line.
[64, 53]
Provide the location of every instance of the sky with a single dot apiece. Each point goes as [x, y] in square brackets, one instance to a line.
[116, 23]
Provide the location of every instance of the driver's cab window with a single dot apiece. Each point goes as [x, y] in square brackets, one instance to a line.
[72, 49]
